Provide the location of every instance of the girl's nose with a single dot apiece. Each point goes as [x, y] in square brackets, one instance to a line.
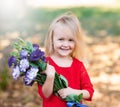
[65, 43]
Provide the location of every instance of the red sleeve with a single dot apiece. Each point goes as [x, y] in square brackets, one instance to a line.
[40, 91]
[86, 83]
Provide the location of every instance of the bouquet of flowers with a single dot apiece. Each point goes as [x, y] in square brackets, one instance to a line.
[28, 61]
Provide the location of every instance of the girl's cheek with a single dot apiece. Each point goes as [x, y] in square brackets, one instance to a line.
[73, 45]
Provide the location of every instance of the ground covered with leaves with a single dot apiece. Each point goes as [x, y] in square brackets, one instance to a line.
[103, 68]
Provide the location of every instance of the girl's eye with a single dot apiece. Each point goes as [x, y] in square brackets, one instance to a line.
[61, 39]
[71, 40]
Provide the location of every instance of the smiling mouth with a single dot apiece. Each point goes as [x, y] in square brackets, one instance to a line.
[64, 49]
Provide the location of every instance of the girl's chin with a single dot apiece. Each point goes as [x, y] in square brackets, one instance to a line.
[64, 54]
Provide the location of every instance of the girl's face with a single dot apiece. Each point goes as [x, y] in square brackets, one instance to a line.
[63, 41]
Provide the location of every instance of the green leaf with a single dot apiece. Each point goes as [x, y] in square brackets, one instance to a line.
[80, 96]
[57, 83]
[33, 64]
[74, 97]
[17, 46]
[29, 46]
[40, 78]
[14, 54]
[42, 65]
[70, 97]
[21, 41]
[64, 81]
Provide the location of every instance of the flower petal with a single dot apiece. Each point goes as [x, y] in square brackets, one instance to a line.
[12, 60]
[16, 72]
[23, 54]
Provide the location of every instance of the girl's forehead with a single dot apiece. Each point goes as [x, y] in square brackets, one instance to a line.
[63, 30]
[60, 26]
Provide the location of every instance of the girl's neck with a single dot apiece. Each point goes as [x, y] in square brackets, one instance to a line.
[62, 61]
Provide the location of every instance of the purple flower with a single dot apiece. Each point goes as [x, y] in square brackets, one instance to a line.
[28, 81]
[12, 60]
[24, 64]
[23, 54]
[43, 58]
[42, 53]
[35, 46]
[30, 76]
[16, 72]
[35, 55]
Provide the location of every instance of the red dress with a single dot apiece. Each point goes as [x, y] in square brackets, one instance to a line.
[77, 77]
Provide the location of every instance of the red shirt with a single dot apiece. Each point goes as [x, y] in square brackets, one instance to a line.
[77, 77]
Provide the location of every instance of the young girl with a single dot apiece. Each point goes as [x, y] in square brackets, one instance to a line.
[64, 54]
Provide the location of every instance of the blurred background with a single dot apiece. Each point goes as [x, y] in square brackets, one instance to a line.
[30, 19]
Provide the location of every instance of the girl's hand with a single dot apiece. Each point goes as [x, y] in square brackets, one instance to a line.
[66, 91]
[50, 71]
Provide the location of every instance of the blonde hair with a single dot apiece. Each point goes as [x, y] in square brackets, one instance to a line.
[70, 20]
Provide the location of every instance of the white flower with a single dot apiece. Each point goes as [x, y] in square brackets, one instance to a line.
[24, 64]
[16, 72]
[32, 73]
